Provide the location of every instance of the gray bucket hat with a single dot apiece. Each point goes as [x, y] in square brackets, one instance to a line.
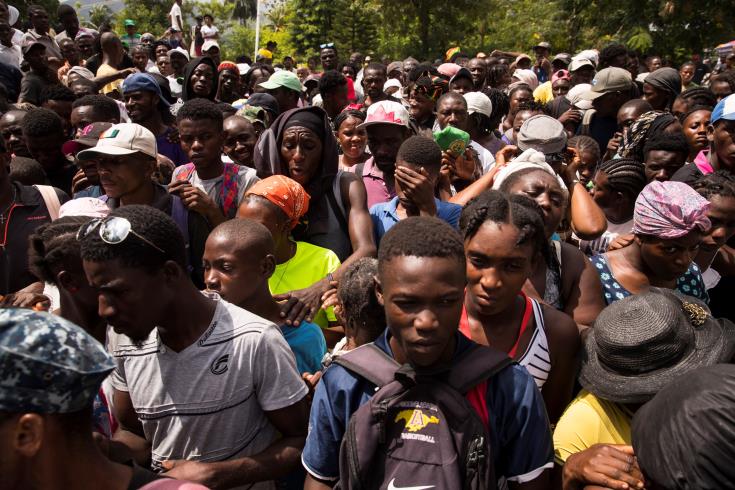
[641, 343]
[542, 133]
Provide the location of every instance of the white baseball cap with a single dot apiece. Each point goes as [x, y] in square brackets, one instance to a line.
[386, 112]
[179, 50]
[209, 44]
[123, 139]
[478, 102]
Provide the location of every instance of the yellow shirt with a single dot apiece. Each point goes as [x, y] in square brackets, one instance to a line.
[105, 70]
[589, 420]
[543, 93]
[309, 264]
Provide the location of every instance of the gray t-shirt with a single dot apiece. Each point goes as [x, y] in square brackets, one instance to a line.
[246, 177]
[208, 402]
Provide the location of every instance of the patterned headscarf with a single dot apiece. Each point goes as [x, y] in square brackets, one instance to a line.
[669, 210]
[285, 193]
[648, 124]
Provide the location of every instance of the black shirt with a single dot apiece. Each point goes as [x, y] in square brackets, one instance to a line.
[22, 219]
[688, 174]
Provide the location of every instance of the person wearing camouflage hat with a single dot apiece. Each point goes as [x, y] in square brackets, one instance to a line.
[50, 374]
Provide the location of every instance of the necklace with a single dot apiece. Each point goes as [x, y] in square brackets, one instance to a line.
[285, 269]
[3, 218]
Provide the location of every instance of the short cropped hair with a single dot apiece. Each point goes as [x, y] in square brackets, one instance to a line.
[422, 151]
[200, 110]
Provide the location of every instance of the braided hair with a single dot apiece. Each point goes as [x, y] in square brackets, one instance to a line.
[585, 144]
[692, 110]
[356, 294]
[698, 96]
[625, 175]
[719, 183]
[500, 102]
[520, 211]
[346, 114]
[55, 245]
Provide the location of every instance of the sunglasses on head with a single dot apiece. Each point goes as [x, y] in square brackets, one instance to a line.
[113, 230]
[327, 45]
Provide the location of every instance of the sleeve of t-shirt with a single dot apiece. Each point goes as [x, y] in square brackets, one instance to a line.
[377, 223]
[327, 425]
[518, 417]
[117, 377]
[277, 383]
[577, 429]
[246, 177]
[451, 213]
[29, 91]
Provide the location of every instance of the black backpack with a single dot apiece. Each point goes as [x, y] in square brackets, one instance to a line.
[418, 431]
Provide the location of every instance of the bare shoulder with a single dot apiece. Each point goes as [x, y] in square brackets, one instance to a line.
[560, 327]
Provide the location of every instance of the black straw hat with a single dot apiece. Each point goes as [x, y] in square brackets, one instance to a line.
[641, 343]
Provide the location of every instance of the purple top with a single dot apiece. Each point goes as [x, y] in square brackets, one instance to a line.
[377, 190]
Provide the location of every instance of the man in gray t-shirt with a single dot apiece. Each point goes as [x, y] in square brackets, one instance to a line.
[198, 380]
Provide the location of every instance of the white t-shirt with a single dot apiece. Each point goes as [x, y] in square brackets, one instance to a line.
[175, 14]
[246, 177]
[600, 244]
[208, 402]
[208, 32]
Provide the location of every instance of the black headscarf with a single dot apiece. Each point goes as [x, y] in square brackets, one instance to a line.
[268, 150]
[186, 94]
[666, 79]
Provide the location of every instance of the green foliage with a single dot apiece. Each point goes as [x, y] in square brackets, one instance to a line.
[149, 15]
[101, 14]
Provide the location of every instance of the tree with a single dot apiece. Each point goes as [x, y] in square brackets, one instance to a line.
[101, 14]
[149, 15]
[245, 10]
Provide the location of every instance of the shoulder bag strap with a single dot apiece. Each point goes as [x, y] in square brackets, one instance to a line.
[370, 362]
[476, 365]
[51, 199]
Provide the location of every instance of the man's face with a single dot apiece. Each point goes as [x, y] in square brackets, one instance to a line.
[63, 109]
[39, 19]
[288, 63]
[328, 58]
[164, 65]
[661, 165]
[178, 62]
[582, 75]
[626, 117]
[686, 73]
[12, 133]
[541, 52]
[202, 142]
[608, 104]
[130, 30]
[239, 140]
[657, 98]
[230, 270]
[462, 85]
[721, 89]
[452, 112]
[69, 51]
[46, 150]
[654, 64]
[722, 136]
[140, 59]
[36, 58]
[384, 140]
[421, 106]
[128, 297]
[86, 46]
[372, 82]
[70, 22]
[423, 297]
[286, 98]
[123, 175]
[478, 69]
[561, 87]
[229, 81]
[140, 105]
[81, 117]
[406, 201]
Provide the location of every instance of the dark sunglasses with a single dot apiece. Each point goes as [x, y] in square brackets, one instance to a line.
[113, 230]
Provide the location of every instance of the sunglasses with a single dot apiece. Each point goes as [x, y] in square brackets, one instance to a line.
[113, 230]
[327, 45]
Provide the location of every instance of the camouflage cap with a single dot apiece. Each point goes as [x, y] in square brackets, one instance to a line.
[48, 364]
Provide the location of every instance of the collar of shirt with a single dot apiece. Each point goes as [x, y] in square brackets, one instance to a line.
[372, 170]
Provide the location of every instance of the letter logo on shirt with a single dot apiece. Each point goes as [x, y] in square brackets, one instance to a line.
[219, 366]
[415, 419]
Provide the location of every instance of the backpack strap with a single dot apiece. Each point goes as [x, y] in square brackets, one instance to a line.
[477, 364]
[51, 199]
[370, 362]
[229, 190]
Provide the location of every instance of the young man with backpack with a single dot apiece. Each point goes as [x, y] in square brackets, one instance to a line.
[423, 406]
[207, 185]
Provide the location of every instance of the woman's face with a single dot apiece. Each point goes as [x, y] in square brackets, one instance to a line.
[301, 150]
[722, 216]
[518, 97]
[161, 50]
[546, 191]
[669, 259]
[657, 98]
[348, 72]
[202, 80]
[352, 139]
[497, 267]
[518, 120]
[588, 166]
[695, 129]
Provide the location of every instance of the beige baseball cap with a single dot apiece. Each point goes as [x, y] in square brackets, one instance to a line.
[609, 80]
[122, 139]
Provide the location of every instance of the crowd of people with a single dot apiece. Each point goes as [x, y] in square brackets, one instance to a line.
[484, 271]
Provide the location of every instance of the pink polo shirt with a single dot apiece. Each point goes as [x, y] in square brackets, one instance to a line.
[377, 190]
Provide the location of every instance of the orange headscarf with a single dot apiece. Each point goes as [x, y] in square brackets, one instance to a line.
[285, 193]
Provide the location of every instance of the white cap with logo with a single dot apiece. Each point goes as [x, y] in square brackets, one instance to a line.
[122, 139]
